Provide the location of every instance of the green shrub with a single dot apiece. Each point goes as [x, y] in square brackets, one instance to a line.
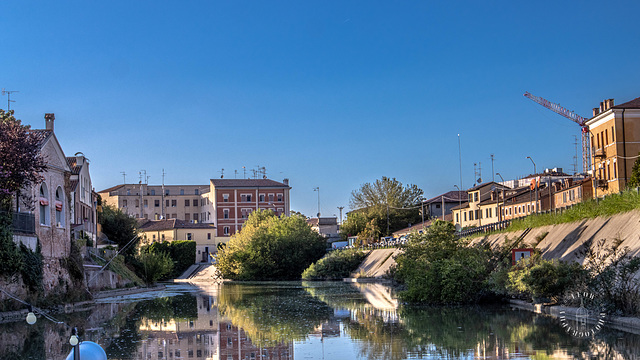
[438, 268]
[335, 265]
[545, 279]
[155, 265]
[32, 268]
[181, 252]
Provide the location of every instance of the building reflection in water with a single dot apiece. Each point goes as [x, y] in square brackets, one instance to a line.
[205, 337]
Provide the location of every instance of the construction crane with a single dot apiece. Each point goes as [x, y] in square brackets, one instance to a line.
[586, 147]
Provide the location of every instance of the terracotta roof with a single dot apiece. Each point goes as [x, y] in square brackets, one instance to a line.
[73, 184]
[451, 196]
[169, 224]
[41, 135]
[111, 189]
[633, 104]
[483, 185]
[73, 164]
[234, 183]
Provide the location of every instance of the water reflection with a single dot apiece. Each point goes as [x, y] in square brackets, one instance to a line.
[305, 320]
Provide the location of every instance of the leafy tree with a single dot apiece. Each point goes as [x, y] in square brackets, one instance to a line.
[270, 247]
[119, 227]
[391, 204]
[634, 181]
[20, 159]
[439, 268]
[335, 265]
[353, 225]
[370, 234]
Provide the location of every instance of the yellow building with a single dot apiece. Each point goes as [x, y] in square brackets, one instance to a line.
[615, 144]
[173, 229]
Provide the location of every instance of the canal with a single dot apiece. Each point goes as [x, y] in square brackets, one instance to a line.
[304, 320]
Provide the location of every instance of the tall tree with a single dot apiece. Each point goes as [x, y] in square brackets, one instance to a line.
[119, 227]
[634, 181]
[393, 205]
[20, 159]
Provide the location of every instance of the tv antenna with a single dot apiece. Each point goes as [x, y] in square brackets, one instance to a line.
[124, 177]
[8, 93]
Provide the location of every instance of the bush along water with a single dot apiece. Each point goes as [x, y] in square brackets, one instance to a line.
[336, 265]
[438, 268]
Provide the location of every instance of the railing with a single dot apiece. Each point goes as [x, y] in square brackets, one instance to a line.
[23, 222]
[484, 228]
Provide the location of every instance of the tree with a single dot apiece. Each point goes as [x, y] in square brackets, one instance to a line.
[634, 181]
[155, 265]
[391, 204]
[119, 227]
[271, 248]
[20, 160]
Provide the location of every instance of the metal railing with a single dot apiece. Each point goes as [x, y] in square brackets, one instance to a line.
[484, 228]
[22, 222]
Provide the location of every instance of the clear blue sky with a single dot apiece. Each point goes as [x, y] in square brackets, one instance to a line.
[329, 94]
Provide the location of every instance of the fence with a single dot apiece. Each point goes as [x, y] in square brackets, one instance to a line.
[484, 228]
[22, 222]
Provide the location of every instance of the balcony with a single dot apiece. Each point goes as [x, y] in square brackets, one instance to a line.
[602, 183]
[23, 223]
[599, 153]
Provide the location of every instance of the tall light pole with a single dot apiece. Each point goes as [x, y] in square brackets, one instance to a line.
[535, 172]
[459, 204]
[340, 208]
[500, 216]
[317, 188]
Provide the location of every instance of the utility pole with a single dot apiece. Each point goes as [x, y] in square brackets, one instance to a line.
[493, 177]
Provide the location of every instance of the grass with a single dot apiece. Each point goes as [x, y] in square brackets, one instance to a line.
[118, 267]
[610, 205]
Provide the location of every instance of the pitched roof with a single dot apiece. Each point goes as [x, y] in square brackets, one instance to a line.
[42, 135]
[633, 104]
[73, 164]
[450, 196]
[169, 224]
[111, 189]
[73, 184]
[234, 183]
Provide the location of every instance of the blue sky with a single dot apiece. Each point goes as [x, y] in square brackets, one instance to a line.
[330, 94]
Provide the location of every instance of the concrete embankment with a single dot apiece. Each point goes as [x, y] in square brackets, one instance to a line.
[562, 241]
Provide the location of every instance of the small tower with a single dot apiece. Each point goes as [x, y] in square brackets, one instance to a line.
[48, 119]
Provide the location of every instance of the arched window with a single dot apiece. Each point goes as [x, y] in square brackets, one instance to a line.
[59, 207]
[43, 204]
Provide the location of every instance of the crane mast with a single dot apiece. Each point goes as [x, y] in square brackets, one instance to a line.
[586, 147]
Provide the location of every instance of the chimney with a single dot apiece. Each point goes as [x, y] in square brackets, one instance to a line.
[48, 120]
[610, 103]
[601, 106]
[595, 111]
[286, 182]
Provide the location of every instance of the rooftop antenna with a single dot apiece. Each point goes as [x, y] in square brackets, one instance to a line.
[124, 177]
[244, 172]
[235, 174]
[222, 173]
[493, 176]
[8, 93]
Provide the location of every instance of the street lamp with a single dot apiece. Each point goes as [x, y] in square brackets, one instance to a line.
[534, 179]
[459, 204]
[317, 188]
[503, 199]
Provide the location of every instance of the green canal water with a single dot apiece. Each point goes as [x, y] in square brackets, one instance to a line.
[305, 320]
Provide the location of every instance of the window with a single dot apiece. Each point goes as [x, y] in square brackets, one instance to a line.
[181, 191]
[167, 203]
[186, 202]
[261, 197]
[279, 197]
[613, 138]
[166, 192]
[225, 197]
[225, 230]
[195, 202]
[128, 191]
[465, 216]
[197, 192]
[124, 203]
[225, 213]
[174, 203]
[153, 192]
[153, 237]
[59, 207]
[457, 220]
[475, 196]
[146, 203]
[137, 203]
[208, 236]
[195, 216]
[437, 206]
[271, 197]
[249, 197]
[189, 237]
[606, 137]
[187, 217]
[156, 203]
[162, 237]
[244, 213]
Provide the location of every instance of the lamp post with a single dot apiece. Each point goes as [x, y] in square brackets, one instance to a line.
[459, 205]
[536, 181]
[317, 188]
[500, 216]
